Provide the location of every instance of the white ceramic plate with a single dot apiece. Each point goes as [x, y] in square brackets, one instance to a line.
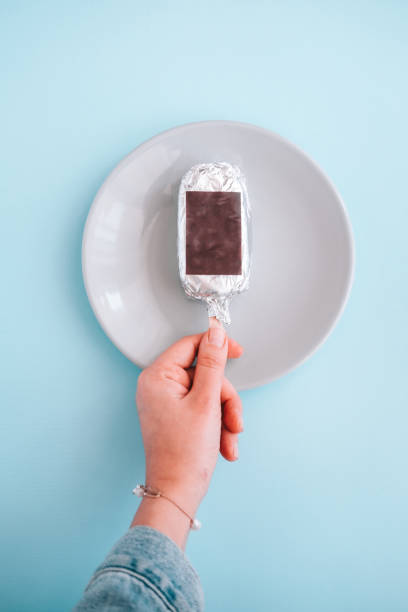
[302, 263]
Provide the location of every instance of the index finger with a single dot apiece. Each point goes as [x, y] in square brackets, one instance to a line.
[184, 351]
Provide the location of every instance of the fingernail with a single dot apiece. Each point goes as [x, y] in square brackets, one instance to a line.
[241, 425]
[235, 451]
[216, 333]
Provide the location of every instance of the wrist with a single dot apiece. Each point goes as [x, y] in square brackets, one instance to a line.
[185, 494]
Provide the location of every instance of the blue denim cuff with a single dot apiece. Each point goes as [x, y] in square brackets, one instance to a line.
[155, 560]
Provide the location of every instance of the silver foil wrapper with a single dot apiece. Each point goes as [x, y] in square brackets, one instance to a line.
[215, 290]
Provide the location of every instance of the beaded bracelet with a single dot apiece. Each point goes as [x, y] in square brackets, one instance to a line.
[145, 491]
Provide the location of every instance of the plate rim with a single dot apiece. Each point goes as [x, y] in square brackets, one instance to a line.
[277, 137]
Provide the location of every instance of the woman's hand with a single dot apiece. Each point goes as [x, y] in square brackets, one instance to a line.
[188, 415]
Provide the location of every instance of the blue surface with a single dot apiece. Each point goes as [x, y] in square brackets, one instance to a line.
[314, 516]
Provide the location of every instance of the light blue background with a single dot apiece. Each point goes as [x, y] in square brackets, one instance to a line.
[314, 516]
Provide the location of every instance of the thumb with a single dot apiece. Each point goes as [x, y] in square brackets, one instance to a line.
[211, 360]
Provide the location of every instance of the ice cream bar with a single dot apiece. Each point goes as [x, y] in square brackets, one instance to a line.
[213, 251]
[213, 232]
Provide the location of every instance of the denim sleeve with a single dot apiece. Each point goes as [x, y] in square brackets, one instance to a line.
[144, 571]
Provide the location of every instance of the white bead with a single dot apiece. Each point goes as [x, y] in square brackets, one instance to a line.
[139, 491]
[195, 524]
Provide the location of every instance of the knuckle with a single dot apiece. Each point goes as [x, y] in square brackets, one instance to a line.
[142, 377]
[145, 377]
[210, 360]
[172, 371]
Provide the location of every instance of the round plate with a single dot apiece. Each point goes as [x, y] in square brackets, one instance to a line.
[302, 258]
